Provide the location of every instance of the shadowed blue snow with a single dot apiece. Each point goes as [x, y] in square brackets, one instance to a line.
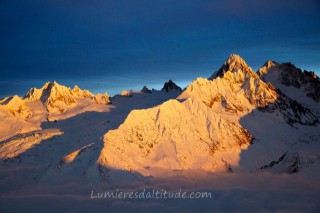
[115, 45]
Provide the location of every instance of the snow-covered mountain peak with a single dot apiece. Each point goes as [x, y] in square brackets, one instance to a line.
[58, 98]
[270, 64]
[36, 94]
[235, 91]
[16, 106]
[266, 66]
[234, 58]
[239, 92]
[287, 75]
[234, 64]
[81, 93]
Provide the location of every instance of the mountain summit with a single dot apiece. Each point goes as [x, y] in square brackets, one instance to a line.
[58, 98]
[286, 76]
[233, 64]
[171, 86]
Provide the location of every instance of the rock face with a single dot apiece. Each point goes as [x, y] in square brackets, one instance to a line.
[170, 86]
[288, 75]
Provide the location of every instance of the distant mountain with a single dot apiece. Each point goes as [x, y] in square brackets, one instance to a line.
[49, 103]
[145, 89]
[55, 97]
[58, 98]
[288, 75]
[170, 86]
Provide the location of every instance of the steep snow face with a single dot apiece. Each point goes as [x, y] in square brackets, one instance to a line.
[174, 135]
[287, 75]
[15, 106]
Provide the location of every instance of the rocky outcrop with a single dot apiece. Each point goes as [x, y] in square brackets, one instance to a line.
[145, 89]
[170, 86]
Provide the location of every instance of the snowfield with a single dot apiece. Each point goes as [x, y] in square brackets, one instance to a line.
[251, 139]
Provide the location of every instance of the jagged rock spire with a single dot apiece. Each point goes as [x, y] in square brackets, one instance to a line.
[233, 64]
[170, 85]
